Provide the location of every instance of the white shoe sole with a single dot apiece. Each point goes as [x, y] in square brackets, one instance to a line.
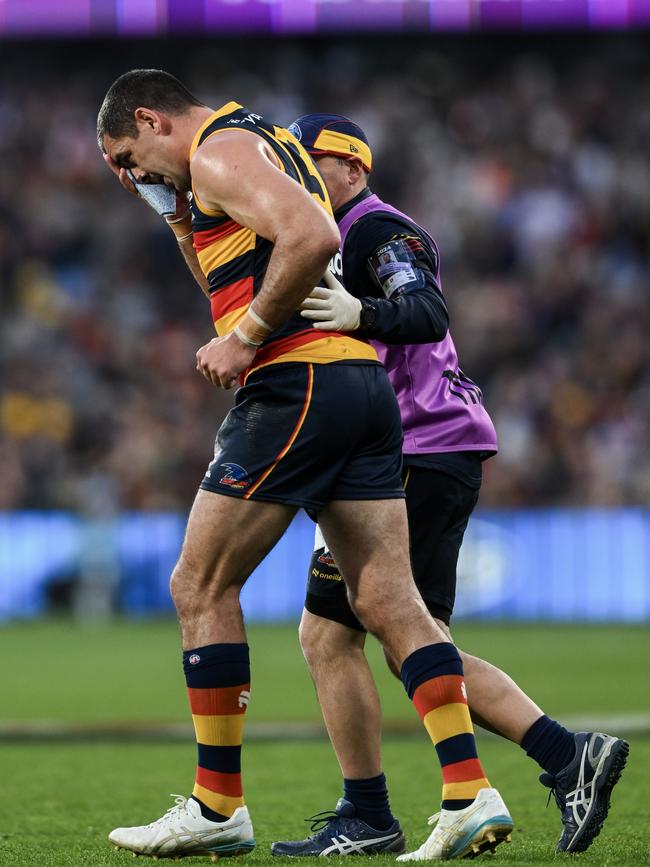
[227, 850]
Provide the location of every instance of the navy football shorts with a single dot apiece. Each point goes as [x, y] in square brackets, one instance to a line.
[305, 434]
[438, 506]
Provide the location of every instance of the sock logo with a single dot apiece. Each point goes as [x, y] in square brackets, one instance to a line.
[244, 698]
[194, 659]
[463, 690]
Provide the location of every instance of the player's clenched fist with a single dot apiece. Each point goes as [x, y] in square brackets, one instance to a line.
[223, 359]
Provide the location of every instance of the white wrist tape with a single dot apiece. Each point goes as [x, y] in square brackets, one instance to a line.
[245, 339]
[258, 319]
[179, 219]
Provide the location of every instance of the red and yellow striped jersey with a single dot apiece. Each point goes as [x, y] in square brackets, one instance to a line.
[234, 258]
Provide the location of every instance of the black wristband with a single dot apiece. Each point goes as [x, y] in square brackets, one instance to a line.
[367, 315]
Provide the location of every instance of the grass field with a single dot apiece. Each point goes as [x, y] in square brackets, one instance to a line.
[59, 799]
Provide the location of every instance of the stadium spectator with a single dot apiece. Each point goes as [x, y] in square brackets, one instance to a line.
[530, 170]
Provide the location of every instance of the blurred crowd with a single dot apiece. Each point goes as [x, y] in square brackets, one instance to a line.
[528, 162]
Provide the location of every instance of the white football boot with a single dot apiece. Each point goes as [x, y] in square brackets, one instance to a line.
[184, 831]
[466, 833]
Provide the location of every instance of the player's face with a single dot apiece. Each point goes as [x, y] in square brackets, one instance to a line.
[149, 158]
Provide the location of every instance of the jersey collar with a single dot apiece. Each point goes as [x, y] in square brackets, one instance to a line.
[228, 108]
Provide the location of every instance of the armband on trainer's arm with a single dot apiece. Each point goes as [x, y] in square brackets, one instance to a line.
[410, 307]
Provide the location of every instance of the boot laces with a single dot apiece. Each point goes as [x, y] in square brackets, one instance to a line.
[550, 781]
[320, 821]
[180, 806]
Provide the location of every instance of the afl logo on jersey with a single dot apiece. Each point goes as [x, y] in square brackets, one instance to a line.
[235, 477]
[295, 131]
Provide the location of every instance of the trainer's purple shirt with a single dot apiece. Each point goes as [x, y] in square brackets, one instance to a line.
[442, 410]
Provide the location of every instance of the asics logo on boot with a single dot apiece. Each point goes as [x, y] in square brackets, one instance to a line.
[344, 846]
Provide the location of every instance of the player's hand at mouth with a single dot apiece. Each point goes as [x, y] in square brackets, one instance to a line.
[147, 178]
[223, 359]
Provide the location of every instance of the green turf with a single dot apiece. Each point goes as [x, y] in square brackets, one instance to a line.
[131, 671]
[57, 802]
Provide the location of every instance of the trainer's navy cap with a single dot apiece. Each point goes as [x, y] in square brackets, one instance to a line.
[332, 134]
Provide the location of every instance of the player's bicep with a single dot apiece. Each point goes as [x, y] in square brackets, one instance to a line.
[234, 173]
[401, 265]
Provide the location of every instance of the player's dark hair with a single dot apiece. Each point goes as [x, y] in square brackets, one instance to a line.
[150, 88]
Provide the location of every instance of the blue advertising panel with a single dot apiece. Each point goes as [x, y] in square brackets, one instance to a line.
[554, 564]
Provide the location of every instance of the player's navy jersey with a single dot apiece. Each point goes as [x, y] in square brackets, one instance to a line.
[234, 258]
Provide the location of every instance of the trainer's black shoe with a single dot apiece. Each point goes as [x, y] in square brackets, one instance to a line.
[342, 833]
[582, 789]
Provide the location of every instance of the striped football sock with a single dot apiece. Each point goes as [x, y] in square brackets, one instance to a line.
[433, 679]
[218, 685]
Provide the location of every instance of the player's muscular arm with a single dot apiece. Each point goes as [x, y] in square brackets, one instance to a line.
[236, 172]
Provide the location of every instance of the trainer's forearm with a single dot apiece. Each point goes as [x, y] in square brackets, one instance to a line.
[294, 268]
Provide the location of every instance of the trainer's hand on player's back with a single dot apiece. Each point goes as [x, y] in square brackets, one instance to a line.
[331, 307]
[223, 359]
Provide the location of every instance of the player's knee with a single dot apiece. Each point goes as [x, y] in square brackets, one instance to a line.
[181, 589]
[313, 643]
[193, 586]
[323, 640]
[373, 612]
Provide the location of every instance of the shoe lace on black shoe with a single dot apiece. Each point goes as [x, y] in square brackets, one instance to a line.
[330, 820]
[550, 782]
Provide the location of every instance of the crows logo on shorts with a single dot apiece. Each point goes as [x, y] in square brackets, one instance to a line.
[235, 476]
[326, 558]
